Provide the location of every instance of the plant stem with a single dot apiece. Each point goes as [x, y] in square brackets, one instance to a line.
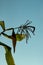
[9, 29]
[8, 54]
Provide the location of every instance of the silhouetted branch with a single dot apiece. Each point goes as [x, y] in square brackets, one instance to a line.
[23, 29]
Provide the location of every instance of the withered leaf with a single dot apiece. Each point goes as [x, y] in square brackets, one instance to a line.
[2, 24]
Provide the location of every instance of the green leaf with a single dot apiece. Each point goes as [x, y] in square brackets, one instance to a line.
[8, 54]
[2, 24]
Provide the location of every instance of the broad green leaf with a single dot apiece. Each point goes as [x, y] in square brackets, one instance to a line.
[2, 24]
[8, 54]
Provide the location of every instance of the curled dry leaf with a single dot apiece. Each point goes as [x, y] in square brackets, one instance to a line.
[2, 24]
[26, 29]
[20, 37]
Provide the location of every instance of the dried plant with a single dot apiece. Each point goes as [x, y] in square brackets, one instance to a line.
[25, 28]
[23, 31]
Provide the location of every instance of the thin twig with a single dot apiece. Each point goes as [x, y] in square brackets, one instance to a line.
[9, 29]
[5, 45]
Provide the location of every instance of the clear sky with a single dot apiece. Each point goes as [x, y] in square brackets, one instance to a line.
[14, 13]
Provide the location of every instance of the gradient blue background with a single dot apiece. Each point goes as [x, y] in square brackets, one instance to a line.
[14, 13]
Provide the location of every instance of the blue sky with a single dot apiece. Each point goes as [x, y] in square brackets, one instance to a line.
[14, 13]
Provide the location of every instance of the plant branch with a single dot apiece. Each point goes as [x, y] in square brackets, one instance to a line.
[5, 45]
[8, 54]
[9, 29]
